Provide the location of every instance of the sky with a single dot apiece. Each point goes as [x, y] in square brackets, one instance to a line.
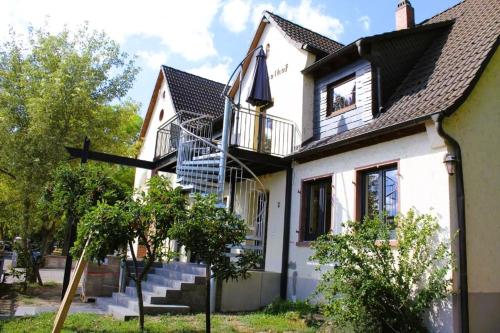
[204, 37]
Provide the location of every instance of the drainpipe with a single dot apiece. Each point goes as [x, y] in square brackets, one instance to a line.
[462, 249]
[286, 234]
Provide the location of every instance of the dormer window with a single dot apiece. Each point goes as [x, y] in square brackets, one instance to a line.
[341, 96]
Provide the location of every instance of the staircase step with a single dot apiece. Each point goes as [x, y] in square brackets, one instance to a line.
[176, 274]
[161, 280]
[190, 180]
[198, 169]
[199, 177]
[150, 297]
[201, 162]
[169, 287]
[208, 157]
[158, 289]
[198, 269]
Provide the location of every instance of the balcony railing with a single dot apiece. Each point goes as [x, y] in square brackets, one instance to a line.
[255, 131]
[262, 133]
[167, 138]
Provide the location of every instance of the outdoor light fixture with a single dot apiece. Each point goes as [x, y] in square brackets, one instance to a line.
[450, 161]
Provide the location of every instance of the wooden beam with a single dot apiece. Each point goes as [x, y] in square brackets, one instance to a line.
[70, 293]
[115, 159]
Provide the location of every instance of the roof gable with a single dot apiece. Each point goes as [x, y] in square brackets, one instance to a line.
[442, 77]
[189, 92]
[300, 37]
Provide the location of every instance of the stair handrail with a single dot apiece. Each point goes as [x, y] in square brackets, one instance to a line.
[217, 148]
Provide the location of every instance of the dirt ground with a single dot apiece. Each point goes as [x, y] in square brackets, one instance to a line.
[12, 296]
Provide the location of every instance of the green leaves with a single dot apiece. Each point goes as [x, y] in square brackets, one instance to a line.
[55, 89]
[209, 231]
[378, 287]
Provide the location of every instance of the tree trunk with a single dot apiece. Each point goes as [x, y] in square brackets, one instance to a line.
[138, 288]
[207, 303]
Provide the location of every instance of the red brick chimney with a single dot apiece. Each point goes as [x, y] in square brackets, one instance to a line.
[405, 15]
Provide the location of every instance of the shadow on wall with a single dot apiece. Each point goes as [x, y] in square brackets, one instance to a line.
[440, 317]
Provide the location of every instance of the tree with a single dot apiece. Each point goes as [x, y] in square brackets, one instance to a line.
[72, 192]
[375, 287]
[145, 218]
[55, 89]
[210, 231]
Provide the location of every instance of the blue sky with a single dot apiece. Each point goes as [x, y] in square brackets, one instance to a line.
[205, 37]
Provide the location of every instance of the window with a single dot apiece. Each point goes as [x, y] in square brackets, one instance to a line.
[161, 115]
[316, 208]
[379, 194]
[341, 96]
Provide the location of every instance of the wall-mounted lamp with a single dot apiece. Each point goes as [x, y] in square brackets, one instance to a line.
[451, 162]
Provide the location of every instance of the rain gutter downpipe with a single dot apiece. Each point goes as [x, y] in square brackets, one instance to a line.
[286, 235]
[462, 236]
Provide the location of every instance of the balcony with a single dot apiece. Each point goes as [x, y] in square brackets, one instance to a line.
[264, 134]
[256, 137]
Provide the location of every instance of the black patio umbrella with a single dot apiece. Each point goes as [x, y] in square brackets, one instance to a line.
[260, 93]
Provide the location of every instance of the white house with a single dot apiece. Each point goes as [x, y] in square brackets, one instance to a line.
[346, 122]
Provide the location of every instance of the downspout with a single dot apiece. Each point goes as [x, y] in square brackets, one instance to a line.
[462, 237]
[286, 234]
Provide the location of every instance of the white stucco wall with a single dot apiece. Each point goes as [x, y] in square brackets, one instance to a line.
[276, 185]
[148, 147]
[292, 92]
[423, 185]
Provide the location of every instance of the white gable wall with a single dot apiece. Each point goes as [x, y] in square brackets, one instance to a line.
[148, 146]
[292, 92]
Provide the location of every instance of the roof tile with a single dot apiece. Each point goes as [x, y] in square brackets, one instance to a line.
[193, 93]
[303, 35]
[445, 72]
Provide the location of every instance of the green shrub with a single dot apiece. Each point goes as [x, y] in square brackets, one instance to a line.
[376, 287]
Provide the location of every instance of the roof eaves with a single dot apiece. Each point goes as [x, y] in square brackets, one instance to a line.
[354, 139]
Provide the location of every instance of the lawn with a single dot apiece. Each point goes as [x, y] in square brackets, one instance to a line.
[83, 323]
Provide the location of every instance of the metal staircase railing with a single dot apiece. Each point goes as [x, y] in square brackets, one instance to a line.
[198, 170]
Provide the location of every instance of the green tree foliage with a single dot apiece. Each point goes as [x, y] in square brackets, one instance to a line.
[376, 287]
[55, 89]
[146, 218]
[209, 231]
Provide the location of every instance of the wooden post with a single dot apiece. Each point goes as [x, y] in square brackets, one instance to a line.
[70, 293]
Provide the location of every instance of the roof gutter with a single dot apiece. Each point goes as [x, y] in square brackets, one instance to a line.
[462, 236]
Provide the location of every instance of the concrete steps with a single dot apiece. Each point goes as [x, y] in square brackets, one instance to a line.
[174, 288]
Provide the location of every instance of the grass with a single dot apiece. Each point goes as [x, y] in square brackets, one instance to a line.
[223, 323]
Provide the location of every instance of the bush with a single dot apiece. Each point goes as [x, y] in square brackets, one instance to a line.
[376, 287]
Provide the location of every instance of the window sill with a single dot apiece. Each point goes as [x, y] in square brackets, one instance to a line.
[340, 111]
[303, 244]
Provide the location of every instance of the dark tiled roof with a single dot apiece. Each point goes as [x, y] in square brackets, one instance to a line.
[445, 73]
[303, 35]
[193, 93]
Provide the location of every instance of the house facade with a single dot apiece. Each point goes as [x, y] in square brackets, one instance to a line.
[352, 130]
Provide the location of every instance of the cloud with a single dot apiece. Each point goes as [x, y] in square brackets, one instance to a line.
[312, 17]
[218, 72]
[258, 10]
[153, 59]
[181, 26]
[365, 22]
[235, 14]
